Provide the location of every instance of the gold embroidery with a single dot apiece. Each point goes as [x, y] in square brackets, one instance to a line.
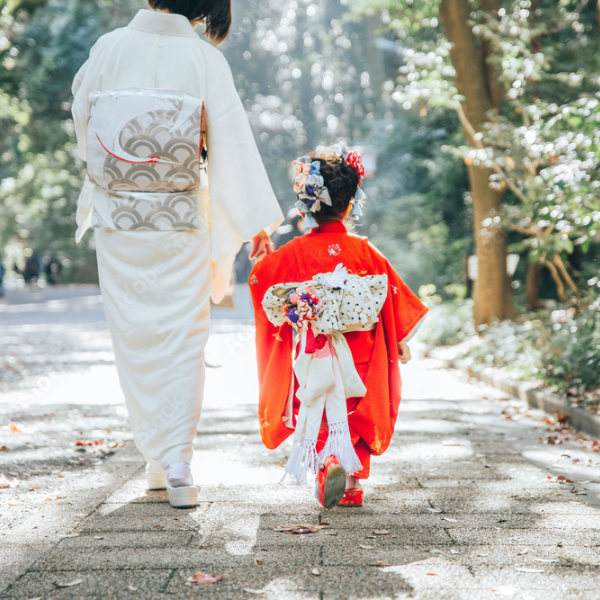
[277, 336]
[394, 289]
[253, 280]
[378, 443]
[263, 421]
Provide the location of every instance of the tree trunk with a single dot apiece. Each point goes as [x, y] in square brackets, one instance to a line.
[532, 286]
[477, 82]
[491, 291]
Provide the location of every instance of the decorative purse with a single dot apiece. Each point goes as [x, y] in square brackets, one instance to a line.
[144, 152]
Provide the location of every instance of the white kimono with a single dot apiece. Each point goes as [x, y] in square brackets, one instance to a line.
[156, 285]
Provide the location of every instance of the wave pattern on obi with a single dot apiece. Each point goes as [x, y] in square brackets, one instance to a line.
[144, 153]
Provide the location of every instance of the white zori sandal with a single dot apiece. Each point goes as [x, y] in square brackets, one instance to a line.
[155, 478]
[180, 485]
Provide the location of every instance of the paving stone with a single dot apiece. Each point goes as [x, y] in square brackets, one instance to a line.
[141, 517]
[110, 584]
[119, 539]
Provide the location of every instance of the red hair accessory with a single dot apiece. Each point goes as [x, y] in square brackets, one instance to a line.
[355, 161]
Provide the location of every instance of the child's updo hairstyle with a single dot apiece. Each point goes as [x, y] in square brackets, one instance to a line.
[327, 182]
[216, 14]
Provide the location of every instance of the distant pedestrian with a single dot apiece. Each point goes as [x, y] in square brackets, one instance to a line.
[31, 272]
[52, 270]
[352, 316]
[2, 271]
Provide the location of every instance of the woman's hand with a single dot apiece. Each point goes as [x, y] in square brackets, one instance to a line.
[404, 352]
[261, 246]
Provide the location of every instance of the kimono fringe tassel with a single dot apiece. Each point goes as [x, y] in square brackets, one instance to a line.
[303, 458]
[339, 444]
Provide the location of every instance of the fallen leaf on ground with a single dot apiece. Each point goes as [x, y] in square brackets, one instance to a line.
[453, 551]
[380, 563]
[316, 572]
[98, 537]
[522, 552]
[4, 482]
[132, 588]
[434, 510]
[381, 532]
[432, 574]
[66, 585]
[258, 561]
[451, 444]
[70, 535]
[14, 428]
[364, 547]
[545, 560]
[204, 578]
[529, 570]
[302, 528]
[157, 527]
[449, 520]
[250, 591]
[2, 448]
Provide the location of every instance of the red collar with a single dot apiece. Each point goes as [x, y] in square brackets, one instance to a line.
[330, 227]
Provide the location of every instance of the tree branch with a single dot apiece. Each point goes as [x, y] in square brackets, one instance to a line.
[470, 130]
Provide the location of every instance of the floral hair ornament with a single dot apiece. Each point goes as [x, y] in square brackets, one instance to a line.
[309, 186]
[354, 159]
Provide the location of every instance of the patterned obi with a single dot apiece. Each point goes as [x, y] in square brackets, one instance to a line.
[144, 149]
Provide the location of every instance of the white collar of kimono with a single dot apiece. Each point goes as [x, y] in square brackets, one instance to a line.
[162, 23]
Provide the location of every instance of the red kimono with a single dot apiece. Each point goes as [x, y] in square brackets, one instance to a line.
[372, 418]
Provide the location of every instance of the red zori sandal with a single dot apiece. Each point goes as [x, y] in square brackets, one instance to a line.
[352, 497]
[331, 482]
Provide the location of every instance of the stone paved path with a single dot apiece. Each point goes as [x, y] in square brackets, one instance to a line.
[461, 506]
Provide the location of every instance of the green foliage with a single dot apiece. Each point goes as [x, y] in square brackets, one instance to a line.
[418, 213]
[562, 349]
[447, 323]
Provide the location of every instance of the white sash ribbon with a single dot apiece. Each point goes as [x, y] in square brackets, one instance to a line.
[326, 378]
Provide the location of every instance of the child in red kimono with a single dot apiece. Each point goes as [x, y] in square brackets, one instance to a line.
[332, 321]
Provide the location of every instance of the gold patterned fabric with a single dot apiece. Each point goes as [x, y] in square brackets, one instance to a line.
[144, 151]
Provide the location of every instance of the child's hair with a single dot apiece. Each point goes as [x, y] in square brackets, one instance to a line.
[216, 13]
[340, 179]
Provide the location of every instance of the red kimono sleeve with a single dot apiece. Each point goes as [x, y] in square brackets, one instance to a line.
[274, 360]
[408, 309]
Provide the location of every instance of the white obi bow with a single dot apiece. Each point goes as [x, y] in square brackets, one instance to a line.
[321, 311]
[144, 150]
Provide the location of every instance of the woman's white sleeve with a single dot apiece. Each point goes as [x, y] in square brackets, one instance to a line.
[238, 183]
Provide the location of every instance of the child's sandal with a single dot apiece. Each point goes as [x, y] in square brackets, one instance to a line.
[352, 497]
[331, 481]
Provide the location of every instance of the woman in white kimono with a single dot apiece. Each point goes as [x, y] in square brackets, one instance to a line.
[157, 284]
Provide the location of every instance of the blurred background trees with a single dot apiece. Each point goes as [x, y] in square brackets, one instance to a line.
[482, 115]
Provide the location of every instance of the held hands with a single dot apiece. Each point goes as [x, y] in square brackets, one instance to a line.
[261, 246]
[404, 352]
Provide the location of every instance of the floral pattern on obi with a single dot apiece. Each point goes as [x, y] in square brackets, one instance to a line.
[144, 152]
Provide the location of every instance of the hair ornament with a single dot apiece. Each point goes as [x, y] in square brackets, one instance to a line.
[308, 184]
[311, 190]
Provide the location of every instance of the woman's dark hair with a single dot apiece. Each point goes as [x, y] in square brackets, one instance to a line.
[216, 13]
[341, 181]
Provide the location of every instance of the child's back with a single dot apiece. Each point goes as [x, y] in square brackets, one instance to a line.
[374, 350]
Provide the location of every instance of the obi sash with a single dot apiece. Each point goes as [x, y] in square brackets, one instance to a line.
[144, 152]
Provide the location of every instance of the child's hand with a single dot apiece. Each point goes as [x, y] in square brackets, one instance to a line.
[404, 352]
[261, 246]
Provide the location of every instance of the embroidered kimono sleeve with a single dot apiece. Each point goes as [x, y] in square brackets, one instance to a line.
[238, 183]
[274, 360]
[408, 309]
